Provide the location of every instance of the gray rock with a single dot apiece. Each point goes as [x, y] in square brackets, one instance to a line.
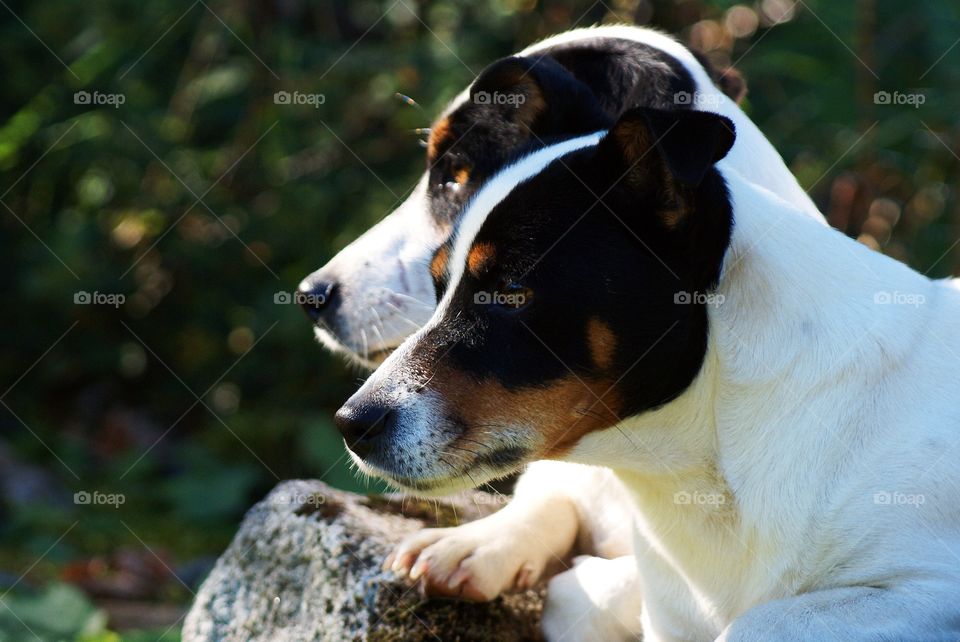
[305, 565]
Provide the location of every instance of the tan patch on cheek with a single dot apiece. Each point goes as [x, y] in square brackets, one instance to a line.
[602, 342]
[480, 256]
[462, 175]
[438, 265]
[562, 413]
[439, 134]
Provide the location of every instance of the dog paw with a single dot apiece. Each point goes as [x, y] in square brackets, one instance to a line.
[474, 561]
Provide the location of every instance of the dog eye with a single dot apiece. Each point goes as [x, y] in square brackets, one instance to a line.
[452, 187]
[515, 296]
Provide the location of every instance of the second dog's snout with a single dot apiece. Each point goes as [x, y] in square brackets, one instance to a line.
[362, 426]
[315, 297]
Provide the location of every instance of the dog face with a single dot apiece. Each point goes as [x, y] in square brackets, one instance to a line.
[564, 312]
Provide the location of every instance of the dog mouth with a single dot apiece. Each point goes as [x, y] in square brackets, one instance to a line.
[493, 464]
[370, 359]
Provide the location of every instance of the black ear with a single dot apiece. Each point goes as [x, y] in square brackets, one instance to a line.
[540, 95]
[685, 141]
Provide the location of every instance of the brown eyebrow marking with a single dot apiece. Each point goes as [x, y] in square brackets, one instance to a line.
[439, 134]
[438, 265]
[602, 342]
[462, 175]
[480, 256]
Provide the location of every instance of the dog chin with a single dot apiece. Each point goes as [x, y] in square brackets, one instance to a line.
[369, 362]
[429, 487]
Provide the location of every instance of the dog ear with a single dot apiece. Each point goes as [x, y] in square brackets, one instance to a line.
[666, 154]
[538, 94]
[684, 142]
[732, 83]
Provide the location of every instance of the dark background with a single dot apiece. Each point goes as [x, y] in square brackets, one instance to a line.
[199, 199]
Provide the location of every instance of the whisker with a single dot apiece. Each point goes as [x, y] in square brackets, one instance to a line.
[403, 317]
[409, 297]
[407, 100]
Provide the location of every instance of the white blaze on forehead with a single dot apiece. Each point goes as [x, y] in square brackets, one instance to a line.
[490, 195]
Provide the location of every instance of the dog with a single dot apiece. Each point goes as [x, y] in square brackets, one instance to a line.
[378, 290]
[779, 403]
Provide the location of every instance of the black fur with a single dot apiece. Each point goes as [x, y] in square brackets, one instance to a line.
[616, 259]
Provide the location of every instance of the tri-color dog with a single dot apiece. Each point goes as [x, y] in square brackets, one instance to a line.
[780, 404]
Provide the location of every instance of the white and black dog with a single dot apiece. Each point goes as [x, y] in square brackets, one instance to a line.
[780, 404]
[379, 289]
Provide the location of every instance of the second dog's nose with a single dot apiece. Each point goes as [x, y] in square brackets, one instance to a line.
[315, 297]
[361, 426]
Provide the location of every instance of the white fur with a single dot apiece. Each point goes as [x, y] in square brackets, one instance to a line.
[806, 485]
[387, 292]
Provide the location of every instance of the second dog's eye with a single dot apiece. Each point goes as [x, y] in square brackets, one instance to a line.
[515, 296]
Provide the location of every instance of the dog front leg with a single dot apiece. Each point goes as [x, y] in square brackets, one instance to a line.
[598, 599]
[507, 550]
[864, 614]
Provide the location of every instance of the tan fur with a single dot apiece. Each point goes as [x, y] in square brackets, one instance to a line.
[481, 256]
[602, 342]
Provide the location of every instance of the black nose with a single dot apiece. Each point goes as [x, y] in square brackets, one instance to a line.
[362, 426]
[316, 297]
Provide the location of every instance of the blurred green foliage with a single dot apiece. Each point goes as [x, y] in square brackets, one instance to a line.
[199, 198]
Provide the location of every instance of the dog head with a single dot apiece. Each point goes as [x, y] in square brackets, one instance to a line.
[574, 301]
[379, 290]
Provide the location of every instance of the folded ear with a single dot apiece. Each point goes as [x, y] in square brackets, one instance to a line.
[664, 155]
[685, 142]
[538, 94]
